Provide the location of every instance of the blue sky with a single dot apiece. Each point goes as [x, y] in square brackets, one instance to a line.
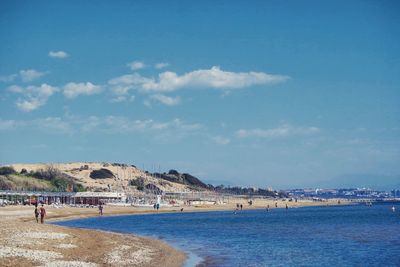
[258, 93]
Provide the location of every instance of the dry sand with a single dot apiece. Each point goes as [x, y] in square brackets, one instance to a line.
[23, 242]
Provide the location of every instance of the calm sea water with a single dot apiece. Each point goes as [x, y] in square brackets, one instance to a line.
[314, 236]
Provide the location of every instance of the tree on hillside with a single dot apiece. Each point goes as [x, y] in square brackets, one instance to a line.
[6, 170]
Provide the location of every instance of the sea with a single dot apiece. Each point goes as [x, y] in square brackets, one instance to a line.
[356, 235]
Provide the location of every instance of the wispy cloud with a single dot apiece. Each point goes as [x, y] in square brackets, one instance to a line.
[136, 65]
[48, 124]
[58, 54]
[30, 75]
[281, 131]
[161, 65]
[207, 78]
[221, 140]
[8, 78]
[6, 125]
[166, 100]
[106, 125]
[126, 125]
[33, 97]
[72, 90]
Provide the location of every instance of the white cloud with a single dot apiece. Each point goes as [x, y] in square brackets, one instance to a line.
[120, 90]
[166, 100]
[25, 75]
[282, 131]
[136, 65]
[208, 78]
[161, 65]
[221, 140]
[122, 98]
[33, 96]
[58, 54]
[72, 90]
[129, 79]
[30, 75]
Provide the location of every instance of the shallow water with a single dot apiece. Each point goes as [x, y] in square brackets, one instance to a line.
[312, 236]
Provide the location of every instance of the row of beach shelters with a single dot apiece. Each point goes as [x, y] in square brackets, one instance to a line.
[85, 198]
[95, 198]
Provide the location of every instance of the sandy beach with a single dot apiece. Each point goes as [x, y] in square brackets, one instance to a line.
[26, 243]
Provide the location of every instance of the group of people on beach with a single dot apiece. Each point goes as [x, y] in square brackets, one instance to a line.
[238, 207]
[40, 211]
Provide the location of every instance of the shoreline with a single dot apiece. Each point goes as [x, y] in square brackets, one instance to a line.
[110, 210]
[70, 246]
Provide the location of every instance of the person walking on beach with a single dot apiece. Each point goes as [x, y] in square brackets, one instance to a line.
[158, 206]
[42, 213]
[287, 207]
[276, 204]
[100, 209]
[36, 213]
[241, 206]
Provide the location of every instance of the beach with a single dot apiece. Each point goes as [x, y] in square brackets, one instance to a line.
[27, 243]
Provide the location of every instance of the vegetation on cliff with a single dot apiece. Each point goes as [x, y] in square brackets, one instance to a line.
[48, 179]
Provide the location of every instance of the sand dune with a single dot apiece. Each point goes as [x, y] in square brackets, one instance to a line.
[123, 174]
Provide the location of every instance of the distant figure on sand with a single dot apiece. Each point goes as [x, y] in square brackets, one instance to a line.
[155, 206]
[36, 213]
[393, 209]
[276, 204]
[241, 206]
[42, 214]
[181, 209]
[267, 207]
[101, 209]
[287, 207]
[158, 206]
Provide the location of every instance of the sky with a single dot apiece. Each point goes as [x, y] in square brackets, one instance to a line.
[278, 94]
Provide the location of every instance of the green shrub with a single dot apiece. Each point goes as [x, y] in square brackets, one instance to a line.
[101, 174]
[6, 170]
